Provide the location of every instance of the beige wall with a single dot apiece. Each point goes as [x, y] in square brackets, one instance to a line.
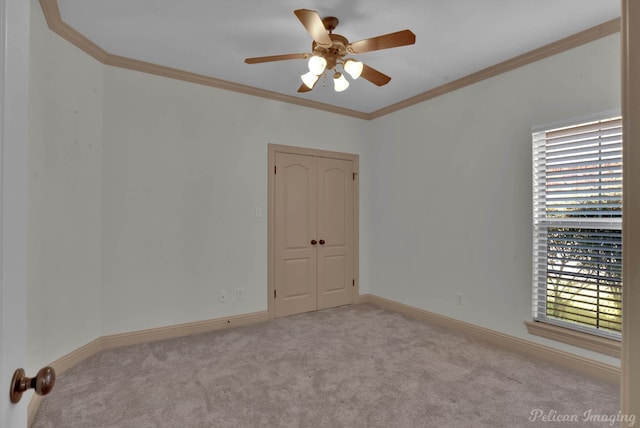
[64, 192]
[184, 168]
[143, 193]
[452, 208]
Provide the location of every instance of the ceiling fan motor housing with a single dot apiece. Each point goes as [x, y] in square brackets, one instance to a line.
[333, 53]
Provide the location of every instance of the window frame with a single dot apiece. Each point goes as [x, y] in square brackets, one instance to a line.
[577, 334]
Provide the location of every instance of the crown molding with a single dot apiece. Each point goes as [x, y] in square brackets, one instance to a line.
[199, 79]
[64, 30]
[589, 35]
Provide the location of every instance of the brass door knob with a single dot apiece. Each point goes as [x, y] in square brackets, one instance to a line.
[322, 242]
[314, 242]
[42, 383]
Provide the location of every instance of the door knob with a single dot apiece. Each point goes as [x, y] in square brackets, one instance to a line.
[322, 242]
[42, 383]
[314, 242]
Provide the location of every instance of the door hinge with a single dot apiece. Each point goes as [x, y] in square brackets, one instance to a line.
[353, 282]
[354, 176]
[274, 293]
[275, 169]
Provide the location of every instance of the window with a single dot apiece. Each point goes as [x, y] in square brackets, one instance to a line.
[577, 227]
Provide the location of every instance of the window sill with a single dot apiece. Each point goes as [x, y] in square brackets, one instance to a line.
[583, 340]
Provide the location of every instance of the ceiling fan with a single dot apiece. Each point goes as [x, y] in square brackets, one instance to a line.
[330, 50]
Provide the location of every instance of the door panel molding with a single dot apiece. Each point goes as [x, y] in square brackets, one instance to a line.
[335, 189]
[328, 250]
[296, 214]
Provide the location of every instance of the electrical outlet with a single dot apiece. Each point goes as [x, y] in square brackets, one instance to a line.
[222, 296]
[460, 299]
[239, 293]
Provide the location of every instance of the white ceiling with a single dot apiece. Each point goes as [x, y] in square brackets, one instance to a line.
[454, 38]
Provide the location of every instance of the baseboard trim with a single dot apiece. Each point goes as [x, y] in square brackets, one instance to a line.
[65, 362]
[588, 366]
[180, 330]
[585, 365]
[73, 358]
[32, 408]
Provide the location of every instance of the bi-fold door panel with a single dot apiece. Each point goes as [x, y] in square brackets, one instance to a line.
[295, 224]
[314, 209]
[335, 228]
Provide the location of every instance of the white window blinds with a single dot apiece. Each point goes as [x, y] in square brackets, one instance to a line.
[577, 222]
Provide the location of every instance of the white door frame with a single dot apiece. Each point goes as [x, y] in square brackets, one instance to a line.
[272, 150]
[14, 94]
[630, 379]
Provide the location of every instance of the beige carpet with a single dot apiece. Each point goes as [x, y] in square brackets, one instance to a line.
[357, 366]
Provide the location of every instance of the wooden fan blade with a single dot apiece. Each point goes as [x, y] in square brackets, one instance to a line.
[374, 76]
[313, 23]
[260, 59]
[391, 40]
[304, 88]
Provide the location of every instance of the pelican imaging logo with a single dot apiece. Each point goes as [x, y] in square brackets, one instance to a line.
[539, 415]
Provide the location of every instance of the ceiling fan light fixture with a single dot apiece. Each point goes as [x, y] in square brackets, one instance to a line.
[317, 65]
[339, 82]
[328, 50]
[353, 67]
[310, 79]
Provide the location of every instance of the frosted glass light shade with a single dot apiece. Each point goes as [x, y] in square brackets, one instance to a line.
[309, 79]
[317, 64]
[339, 82]
[353, 67]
